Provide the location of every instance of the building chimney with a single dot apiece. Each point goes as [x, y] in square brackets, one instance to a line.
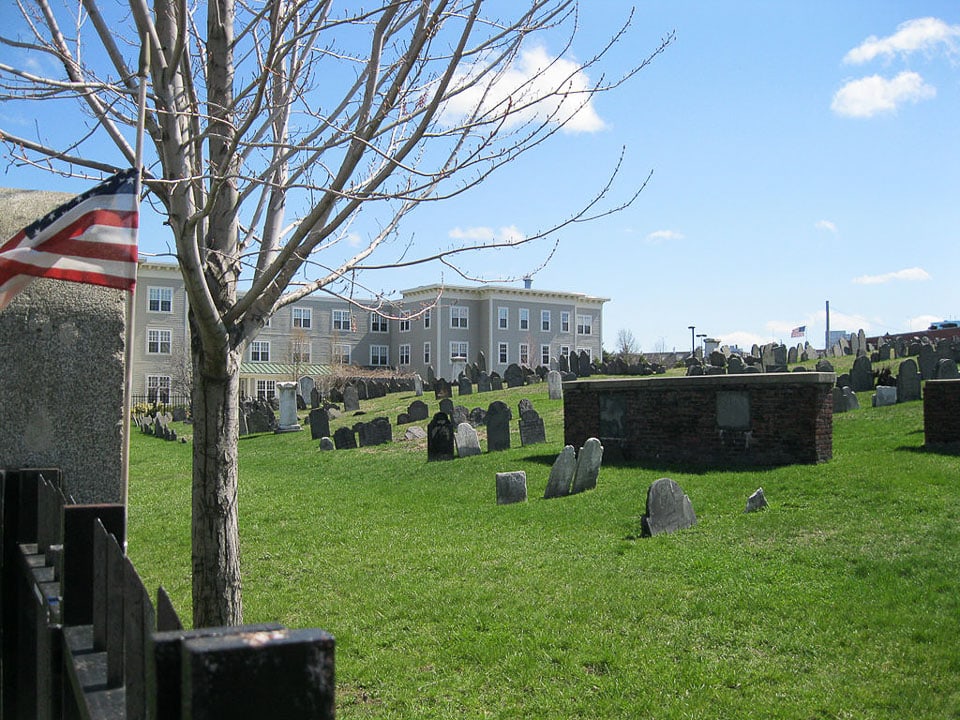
[527, 283]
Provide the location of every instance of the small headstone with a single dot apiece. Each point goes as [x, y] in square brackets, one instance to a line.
[561, 474]
[459, 415]
[511, 487]
[417, 411]
[563, 364]
[440, 438]
[513, 376]
[415, 433]
[668, 509]
[351, 399]
[315, 398]
[481, 362]
[498, 426]
[755, 502]
[319, 424]
[908, 381]
[466, 440]
[928, 361]
[554, 385]
[861, 376]
[588, 466]
[431, 376]
[441, 389]
[326, 443]
[583, 364]
[446, 406]
[853, 402]
[345, 438]
[496, 382]
[531, 428]
[839, 401]
[464, 386]
[417, 385]
[885, 395]
[947, 369]
[378, 431]
[483, 383]
[478, 417]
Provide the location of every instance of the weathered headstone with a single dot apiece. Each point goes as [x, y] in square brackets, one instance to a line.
[319, 423]
[584, 368]
[378, 431]
[496, 382]
[561, 474]
[440, 438]
[757, 501]
[563, 364]
[946, 369]
[861, 376]
[464, 386]
[735, 365]
[466, 440]
[459, 415]
[415, 433]
[588, 466]
[511, 487]
[668, 509]
[885, 395]
[853, 402]
[351, 399]
[326, 443]
[524, 405]
[928, 361]
[554, 385]
[345, 438]
[531, 428]
[417, 385]
[839, 400]
[441, 389]
[824, 366]
[498, 426]
[908, 381]
[418, 411]
[481, 362]
[315, 398]
[288, 408]
[446, 406]
[483, 383]
[513, 376]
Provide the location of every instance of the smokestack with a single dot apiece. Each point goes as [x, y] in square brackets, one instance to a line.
[527, 283]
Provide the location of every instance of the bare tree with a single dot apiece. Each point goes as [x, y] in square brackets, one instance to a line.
[627, 347]
[269, 126]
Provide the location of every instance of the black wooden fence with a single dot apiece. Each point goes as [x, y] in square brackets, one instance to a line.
[81, 637]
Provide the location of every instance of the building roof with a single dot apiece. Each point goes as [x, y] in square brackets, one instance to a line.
[482, 291]
[285, 369]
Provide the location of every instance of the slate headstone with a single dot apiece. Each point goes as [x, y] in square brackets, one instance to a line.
[465, 386]
[326, 444]
[946, 369]
[531, 428]
[378, 431]
[466, 440]
[446, 406]
[418, 411]
[483, 383]
[885, 395]
[498, 426]
[441, 389]
[853, 402]
[345, 438]
[415, 433]
[861, 376]
[511, 487]
[908, 381]
[513, 376]
[668, 509]
[319, 424]
[351, 399]
[440, 438]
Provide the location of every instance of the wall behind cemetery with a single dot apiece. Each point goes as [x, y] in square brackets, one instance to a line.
[941, 413]
[755, 419]
[61, 368]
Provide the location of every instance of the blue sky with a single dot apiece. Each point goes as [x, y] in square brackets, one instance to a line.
[801, 153]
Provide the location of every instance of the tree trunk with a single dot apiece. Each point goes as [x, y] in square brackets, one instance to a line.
[216, 544]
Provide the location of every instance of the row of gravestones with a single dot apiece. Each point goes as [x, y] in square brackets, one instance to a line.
[906, 389]
[156, 425]
[619, 366]
[571, 473]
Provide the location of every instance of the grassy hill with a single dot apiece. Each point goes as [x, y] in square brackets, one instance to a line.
[842, 599]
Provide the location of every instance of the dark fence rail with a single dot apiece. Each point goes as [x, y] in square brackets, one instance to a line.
[81, 637]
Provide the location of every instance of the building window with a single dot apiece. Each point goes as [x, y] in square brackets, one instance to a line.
[459, 317]
[160, 300]
[427, 315]
[302, 317]
[588, 351]
[545, 355]
[404, 324]
[524, 354]
[404, 354]
[300, 351]
[426, 353]
[378, 323]
[266, 389]
[584, 325]
[158, 341]
[503, 354]
[565, 350]
[341, 320]
[565, 322]
[458, 350]
[380, 355]
[341, 354]
[260, 351]
[524, 318]
[158, 388]
[503, 318]
[545, 320]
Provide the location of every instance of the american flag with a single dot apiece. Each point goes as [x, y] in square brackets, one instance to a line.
[799, 331]
[90, 239]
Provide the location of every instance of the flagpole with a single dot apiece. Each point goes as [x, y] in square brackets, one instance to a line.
[131, 296]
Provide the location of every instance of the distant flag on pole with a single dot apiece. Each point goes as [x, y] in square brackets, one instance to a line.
[798, 331]
[90, 239]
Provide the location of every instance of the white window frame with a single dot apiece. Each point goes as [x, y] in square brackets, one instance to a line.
[301, 317]
[340, 354]
[426, 353]
[259, 351]
[545, 321]
[340, 320]
[565, 321]
[545, 355]
[565, 350]
[266, 389]
[403, 354]
[158, 386]
[297, 353]
[503, 318]
[158, 339]
[164, 296]
[503, 353]
[523, 321]
[459, 350]
[427, 317]
[589, 352]
[404, 324]
[380, 355]
[523, 353]
[378, 323]
[459, 317]
[584, 324]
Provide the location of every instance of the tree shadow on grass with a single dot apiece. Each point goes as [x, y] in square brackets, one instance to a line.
[950, 449]
[660, 467]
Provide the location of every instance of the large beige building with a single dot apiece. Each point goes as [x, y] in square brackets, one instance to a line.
[440, 326]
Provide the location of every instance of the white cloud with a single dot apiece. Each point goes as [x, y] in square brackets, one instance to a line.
[911, 36]
[922, 322]
[354, 239]
[874, 94]
[547, 88]
[658, 236]
[909, 274]
[481, 234]
[826, 225]
[742, 339]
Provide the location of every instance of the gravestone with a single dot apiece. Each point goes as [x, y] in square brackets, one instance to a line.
[824, 366]
[885, 395]
[554, 385]
[466, 440]
[478, 417]
[351, 399]
[839, 400]
[441, 389]
[853, 402]
[524, 405]
[735, 365]
[511, 487]
[446, 406]
[459, 415]
[928, 361]
[757, 501]
[378, 431]
[288, 408]
[513, 376]
[583, 364]
[483, 383]
[345, 438]
[908, 381]
[531, 428]
[861, 376]
[259, 416]
[561, 474]
[307, 386]
[418, 411]
[403, 418]
[417, 385]
[496, 382]
[415, 433]
[588, 466]
[440, 438]
[946, 369]
[481, 362]
[563, 364]
[319, 423]
[465, 386]
[668, 509]
[498, 426]
[315, 398]
[431, 376]
[326, 443]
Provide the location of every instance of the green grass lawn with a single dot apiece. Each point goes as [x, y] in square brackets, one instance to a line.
[841, 600]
